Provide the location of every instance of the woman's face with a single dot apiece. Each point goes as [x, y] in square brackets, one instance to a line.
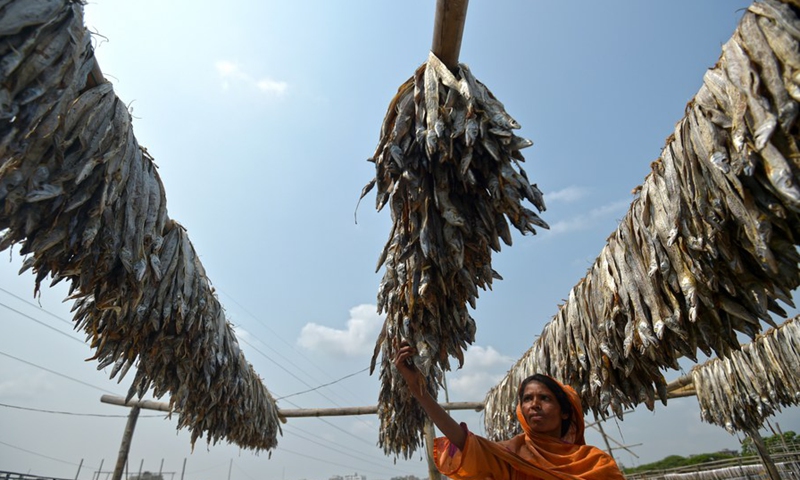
[541, 410]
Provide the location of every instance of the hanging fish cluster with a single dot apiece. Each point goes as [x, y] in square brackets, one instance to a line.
[448, 166]
[706, 250]
[741, 391]
[85, 204]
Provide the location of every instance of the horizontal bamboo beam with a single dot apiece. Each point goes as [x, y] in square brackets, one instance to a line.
[146, 404]
[287, 413]
[681, 387]
[343, 411]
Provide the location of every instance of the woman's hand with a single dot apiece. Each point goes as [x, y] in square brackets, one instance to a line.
[412, 376]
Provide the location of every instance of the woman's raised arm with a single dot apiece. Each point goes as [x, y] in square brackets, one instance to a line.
[416, 385]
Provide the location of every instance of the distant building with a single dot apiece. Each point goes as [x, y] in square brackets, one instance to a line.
[146, 476]
[354, 476]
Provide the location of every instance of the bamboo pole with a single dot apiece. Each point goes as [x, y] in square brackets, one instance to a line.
[679, 383]
[287, 413]
[100, 470]
[448, 29]
[605, 439]
[769, 465]
[125, 446]
[95, 76]
[79, 469]
[430, 434]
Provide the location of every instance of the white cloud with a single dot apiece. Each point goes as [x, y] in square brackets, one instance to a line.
[271, 86]
[479, 357]
[483, 369]
[587, 220]
[232, 75]
[358, 338]
[26, 386]
[567, 195]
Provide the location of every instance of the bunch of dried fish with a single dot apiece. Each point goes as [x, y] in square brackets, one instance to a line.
[706, 250]
[741, 391]
[86, 205]
[448, 166]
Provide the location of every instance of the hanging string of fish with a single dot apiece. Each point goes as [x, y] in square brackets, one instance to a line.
[707, 248]
[741, 391]
[448, 164]
[85, 204]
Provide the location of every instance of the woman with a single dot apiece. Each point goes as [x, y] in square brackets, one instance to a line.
[552, 446]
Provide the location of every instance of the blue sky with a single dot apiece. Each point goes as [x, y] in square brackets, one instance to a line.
[261, 117]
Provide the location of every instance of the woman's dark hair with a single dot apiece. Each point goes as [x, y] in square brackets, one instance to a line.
[558, 392]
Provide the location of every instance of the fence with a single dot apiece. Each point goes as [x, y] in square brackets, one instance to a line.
[25, 476]
[743, 468]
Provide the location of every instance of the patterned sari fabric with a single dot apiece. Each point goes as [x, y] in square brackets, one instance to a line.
[528, 456]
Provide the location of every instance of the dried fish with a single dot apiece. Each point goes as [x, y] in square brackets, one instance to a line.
[732, 395]
[467, 187]
[79, 194]
[707, 250]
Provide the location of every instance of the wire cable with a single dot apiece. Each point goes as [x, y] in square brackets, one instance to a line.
[56, 373]
[291, 346]
[343, 452]
[38, 307]
[77, 414]
[323, 385]
[39, 454]
[44, 324]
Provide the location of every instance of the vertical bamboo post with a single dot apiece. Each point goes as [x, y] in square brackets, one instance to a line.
[79, 469]
[605, 439]
[99, 470]
[448, 29]
[430, 434]
[183, 470]
[125, 446]
[769, 465]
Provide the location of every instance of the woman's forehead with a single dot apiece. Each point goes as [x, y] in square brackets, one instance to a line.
[537, 388]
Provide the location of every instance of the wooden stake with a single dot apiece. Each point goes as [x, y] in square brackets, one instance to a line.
[448, 28]
[100, 469]
[430, 435]
[769, 465]
[79, 469]
[125, 446]
[605, 439]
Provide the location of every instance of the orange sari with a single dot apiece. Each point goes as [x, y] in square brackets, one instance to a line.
[528, 456]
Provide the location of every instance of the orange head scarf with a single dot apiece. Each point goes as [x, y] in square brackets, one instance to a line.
[574, 434]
